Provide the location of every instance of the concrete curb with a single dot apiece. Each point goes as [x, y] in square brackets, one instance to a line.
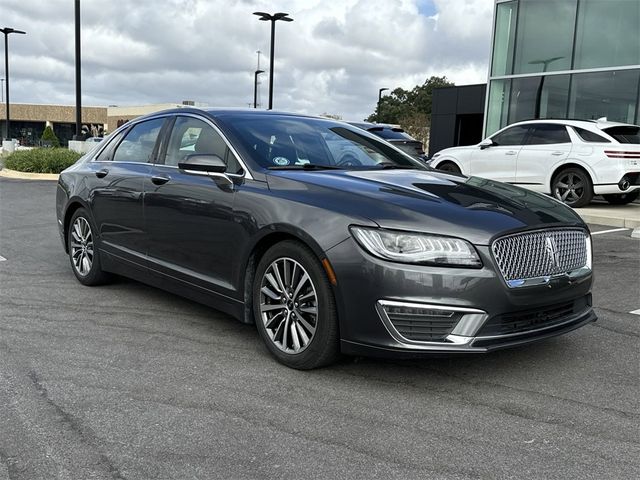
[6, 173]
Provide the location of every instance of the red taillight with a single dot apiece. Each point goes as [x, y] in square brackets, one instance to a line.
[621, 154]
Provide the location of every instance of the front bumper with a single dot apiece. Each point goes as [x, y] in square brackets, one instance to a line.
[482, 313]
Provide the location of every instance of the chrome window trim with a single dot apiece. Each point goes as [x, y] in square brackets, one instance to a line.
[245, 174]
[454, 339]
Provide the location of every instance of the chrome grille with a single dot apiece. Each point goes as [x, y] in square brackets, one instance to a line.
[541, 253]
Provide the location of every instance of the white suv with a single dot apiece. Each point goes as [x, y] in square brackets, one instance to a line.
[571, 159]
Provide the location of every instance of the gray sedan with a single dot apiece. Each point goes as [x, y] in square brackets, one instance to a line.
[263, 216]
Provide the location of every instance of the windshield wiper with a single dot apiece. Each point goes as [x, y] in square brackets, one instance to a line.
[305, 166]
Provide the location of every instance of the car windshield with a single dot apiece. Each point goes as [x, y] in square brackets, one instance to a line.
[624, 134]
[280, 141]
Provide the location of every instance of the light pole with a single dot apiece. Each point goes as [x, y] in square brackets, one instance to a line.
[78, 135]
[255, 87]
[265, 17]
[379, 99]
[7, 31]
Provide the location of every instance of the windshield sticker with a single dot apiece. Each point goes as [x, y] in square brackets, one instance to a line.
[282, 161]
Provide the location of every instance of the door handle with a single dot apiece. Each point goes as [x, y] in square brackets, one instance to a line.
[102, 173]
[159, 179]
[511, 152]
[557, 154]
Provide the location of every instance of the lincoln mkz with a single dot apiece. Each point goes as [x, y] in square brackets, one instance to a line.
[325, 236]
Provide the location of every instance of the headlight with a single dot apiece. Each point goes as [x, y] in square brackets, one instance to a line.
[419, 248]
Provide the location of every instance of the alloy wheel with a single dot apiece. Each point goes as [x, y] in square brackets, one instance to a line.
[81, 246]
[570, 188]
[288, 305]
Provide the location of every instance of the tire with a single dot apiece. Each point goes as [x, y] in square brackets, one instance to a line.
[449, 167]
[83, 254]
[573, 187]
[622, 198]
[284, 305]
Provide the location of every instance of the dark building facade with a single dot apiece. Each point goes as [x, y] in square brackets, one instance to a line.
[456, 116]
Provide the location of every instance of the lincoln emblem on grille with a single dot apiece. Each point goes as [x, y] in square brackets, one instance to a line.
[552, 251]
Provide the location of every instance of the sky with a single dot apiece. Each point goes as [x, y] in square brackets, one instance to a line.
[332, 58]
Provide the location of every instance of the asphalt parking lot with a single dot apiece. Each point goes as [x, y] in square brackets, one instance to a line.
[129, 382]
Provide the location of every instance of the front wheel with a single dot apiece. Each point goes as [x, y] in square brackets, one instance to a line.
[294, 308]
[622, 198]
[573, 187]
[449, 167]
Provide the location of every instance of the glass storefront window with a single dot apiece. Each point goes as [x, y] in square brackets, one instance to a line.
[545, 36]
[607, 33]
[605, 94]
[524, 93]
[498, 105]
[554, 98]
[505, 29]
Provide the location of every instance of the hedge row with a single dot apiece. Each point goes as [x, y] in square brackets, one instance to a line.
[41, 160]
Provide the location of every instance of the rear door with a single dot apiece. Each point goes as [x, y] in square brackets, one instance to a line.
[547, 145]
[117, 193]
[498, 162]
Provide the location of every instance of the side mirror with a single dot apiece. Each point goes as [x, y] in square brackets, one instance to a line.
[200, 162]
[486, 144]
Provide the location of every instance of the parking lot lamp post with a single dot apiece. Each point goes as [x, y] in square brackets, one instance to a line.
[78, 135]
[379, 99]
[255, 87]
[7, 31]
[273, 19]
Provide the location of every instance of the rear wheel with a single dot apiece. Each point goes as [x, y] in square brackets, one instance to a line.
[294, 308]
[622, 198]
[83, 254]
[573, 187]
[449, 167]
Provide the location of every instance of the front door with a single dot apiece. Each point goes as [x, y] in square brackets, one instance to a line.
[189, 217]
[498, 161]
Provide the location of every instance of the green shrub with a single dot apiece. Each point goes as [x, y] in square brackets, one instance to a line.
[49, 138]
[41, 160]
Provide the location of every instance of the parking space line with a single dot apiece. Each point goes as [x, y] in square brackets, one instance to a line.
[610, 231]
[635, 312]
[2, 259]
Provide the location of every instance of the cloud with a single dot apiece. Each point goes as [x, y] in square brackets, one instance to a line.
[332, 58]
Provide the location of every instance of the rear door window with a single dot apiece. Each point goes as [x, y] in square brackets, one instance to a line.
[139, 144]
[548, 134]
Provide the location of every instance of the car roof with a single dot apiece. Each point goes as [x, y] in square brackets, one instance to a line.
[601, 123]
[370, 125]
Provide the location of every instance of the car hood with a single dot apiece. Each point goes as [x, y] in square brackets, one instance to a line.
[427, 201]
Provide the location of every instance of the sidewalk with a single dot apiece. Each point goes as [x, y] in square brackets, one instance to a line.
[612, 215]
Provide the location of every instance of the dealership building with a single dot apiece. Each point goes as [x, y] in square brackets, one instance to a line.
[28, 121]
[576, 59]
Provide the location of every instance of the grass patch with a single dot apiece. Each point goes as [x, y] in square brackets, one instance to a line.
[41, 160]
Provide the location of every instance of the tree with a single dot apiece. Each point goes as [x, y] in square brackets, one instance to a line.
[49, 137]
[411, 109]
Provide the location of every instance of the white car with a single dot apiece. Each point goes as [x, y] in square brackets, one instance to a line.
[570, 159]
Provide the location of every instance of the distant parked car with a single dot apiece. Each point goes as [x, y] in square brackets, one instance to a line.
[573, 160]
[396, 136]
